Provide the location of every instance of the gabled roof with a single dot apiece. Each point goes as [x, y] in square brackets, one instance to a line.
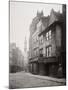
[34, 23]
[49, 20]
[55, 16]
[45, 21]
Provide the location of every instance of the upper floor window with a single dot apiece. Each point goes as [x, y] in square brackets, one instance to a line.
[36, 52]
[41, 40]
[48, 35]
[48, 51]
[41, 52]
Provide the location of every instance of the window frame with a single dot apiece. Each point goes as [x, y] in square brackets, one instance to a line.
[49, 35]
[49, 51]
[41, 51]
[41, 40]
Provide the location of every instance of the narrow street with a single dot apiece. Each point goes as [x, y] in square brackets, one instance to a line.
[25, 80]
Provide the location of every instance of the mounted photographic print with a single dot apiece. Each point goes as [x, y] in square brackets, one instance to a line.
[37, 44]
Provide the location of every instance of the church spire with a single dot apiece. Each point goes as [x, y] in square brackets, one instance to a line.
[25, 45]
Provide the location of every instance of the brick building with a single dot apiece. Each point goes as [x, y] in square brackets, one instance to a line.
[47, 48]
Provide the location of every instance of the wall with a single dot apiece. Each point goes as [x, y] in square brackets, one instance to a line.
[58, 39]
[53, 70]
[50, 42]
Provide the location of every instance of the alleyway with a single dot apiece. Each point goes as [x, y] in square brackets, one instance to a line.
[23, 79]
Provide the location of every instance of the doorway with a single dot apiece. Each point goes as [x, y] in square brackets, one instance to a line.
[46, 69]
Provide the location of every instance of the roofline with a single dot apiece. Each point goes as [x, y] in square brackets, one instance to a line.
[44, 31]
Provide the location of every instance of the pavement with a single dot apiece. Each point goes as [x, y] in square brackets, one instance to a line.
[28, 80]
[62, 80]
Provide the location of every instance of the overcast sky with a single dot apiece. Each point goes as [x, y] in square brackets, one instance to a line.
[21, 15]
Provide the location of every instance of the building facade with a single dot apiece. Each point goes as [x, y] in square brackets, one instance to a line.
[48, 53]
[16, 58]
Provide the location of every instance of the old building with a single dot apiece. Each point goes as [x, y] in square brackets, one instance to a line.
[46, 42]
[16, 62]
[34, 43]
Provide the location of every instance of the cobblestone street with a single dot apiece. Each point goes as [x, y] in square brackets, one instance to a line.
[23, 79]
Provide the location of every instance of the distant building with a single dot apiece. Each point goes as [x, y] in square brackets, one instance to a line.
[11, 48]
[46, 47]
[16, 58]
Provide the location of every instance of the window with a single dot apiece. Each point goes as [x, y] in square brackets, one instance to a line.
[41, 40]
[48, 35]
[41, 51]
[36, 52]
[48, 51]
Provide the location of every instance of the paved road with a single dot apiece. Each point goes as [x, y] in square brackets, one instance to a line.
[22, 80]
